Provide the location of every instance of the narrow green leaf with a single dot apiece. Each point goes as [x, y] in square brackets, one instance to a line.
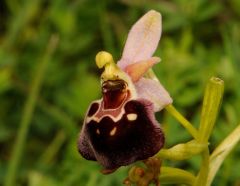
[221, 152]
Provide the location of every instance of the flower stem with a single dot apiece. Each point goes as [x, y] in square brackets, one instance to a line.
[173, 111]
[53, 148]
[211, 104]
[204, 170]
[183, 121]
[27, 114]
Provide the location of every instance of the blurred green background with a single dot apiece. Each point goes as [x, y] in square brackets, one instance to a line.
[48, 78]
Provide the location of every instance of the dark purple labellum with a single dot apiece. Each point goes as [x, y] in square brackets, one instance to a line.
[121, 132]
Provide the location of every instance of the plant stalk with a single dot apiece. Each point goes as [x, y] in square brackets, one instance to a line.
[183, 121]
[28, 113]
[211, 105]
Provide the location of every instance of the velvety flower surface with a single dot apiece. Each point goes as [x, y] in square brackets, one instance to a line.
[121, 128]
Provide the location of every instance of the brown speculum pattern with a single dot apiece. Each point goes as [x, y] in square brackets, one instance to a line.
[119, 130]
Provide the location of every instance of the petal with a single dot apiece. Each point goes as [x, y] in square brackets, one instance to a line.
[135, 136]
[154, 92]
[138, 69]
[142, 39]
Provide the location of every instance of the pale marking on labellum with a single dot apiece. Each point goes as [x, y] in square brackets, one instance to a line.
[114, 114]
[98, 131]
[132, 117]
[113, 131]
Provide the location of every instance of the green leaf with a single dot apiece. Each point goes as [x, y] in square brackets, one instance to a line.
[221, 152]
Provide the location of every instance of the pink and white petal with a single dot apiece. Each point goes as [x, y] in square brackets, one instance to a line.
[138, 69]
[142, 39]
[153, 91]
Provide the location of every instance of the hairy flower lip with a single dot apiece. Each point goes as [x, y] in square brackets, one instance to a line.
[132, 140]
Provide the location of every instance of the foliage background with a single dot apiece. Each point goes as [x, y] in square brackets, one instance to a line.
[200, 39]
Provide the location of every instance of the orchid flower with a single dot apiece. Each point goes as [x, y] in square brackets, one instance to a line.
[121, 128]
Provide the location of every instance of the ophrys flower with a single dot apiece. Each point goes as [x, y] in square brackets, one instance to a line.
[121, 128]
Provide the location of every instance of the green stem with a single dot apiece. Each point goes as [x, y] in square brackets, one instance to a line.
[171, 175]
[66, 122]
[173, 111]
[183, 121]
[204, 170]
[211, 105]
[27, 114]
[52, 150]
[53, 111]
